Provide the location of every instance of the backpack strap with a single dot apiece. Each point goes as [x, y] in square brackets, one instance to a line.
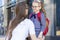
[39, 17]
[46, 29]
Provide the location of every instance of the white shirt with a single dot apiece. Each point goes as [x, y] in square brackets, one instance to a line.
[22, 30]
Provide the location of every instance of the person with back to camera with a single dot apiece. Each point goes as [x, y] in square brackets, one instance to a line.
[20, 26]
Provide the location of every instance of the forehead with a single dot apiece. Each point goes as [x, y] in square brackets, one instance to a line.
[35, 3]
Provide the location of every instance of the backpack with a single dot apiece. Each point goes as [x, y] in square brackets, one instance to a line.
[39, 19]
[47, 23]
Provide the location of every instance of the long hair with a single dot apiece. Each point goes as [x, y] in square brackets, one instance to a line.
[42, 9]
[20, 11]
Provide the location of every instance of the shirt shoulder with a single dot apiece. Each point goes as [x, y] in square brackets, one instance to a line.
[28, 21]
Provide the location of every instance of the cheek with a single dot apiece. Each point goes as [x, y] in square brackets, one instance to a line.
[26, 12]
[33, 9]
[40, 7]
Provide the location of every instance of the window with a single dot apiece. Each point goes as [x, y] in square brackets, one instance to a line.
[1, 19]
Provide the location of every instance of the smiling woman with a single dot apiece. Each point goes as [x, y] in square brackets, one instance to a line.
[20, 26]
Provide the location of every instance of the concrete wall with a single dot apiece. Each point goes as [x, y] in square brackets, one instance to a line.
[5, 12]
[49, 7]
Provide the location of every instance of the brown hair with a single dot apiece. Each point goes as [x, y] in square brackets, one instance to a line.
[42, 9]
[20, 11]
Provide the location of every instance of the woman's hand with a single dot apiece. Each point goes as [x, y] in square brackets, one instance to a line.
[40, 38]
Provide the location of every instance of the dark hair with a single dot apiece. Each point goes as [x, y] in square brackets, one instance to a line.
[20, 11]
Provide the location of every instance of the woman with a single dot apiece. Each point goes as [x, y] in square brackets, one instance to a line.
[38, 20]
[20, 26]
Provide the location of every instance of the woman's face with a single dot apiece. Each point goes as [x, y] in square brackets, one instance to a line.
[36, 7]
